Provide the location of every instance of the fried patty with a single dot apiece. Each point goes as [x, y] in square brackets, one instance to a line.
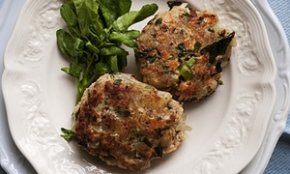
[183, 51]
[127, 123]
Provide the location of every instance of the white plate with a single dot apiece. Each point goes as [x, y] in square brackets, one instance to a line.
[278, 121]
[230, 125]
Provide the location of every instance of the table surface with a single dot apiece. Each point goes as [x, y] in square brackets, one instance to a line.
[280, 160]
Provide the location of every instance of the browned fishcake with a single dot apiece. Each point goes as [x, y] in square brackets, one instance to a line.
[127, 123]
[183, 51]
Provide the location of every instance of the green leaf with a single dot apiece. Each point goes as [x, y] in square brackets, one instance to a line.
[112, 51]
[82, 86]
[92, 47]
[69, 45]
[87, 13]
[74, 70]
[126, 20]
[146, 11]
[68, 14]
[74, 31]
[127, 38]
[111, 10]
[96, 37]
[123, 6]
[114, 63]
[101, 68]
[92, 42]
[67, 134]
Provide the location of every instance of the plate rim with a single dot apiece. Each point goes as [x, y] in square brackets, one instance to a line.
[6, 71]
[278, 121]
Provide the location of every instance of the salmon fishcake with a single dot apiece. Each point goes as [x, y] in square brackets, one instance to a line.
[183, 51]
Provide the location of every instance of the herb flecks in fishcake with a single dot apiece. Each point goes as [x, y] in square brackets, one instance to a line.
[117, 81]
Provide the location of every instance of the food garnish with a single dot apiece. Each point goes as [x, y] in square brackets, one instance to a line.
[93, 37]
[67, 134]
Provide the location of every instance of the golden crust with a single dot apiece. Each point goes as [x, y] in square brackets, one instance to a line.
[127, 123]
[164, 44]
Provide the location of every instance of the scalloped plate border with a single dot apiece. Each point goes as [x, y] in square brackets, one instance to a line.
[281, 51]
[223, 148]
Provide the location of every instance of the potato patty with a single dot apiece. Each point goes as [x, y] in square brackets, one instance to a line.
[127, 123]
[183, 51]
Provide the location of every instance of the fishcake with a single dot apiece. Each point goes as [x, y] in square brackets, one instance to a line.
[127, 123]
[183, 51]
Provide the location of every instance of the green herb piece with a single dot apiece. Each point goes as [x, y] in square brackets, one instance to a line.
[185, 14]
[92, 48]
[151, 59]
[197, 46]
[74, 70]
[200, 20]
[148, 86]
[123, 113]
[158, 21]
[211, 30]
[123, 6]
[117, 81]
[159, 150]
[97, 34]
[147, 142]
[218, 48]
[67, 134]
[114, 63]
[172, 4]
[185, 72]
[181, 47]
[127, 38]
[113, 50]
[141, 54]
[219, 67]
[136, 133]
[87, 14]
[101, 68]
[81, 87]
[220, 82]
[111, 10]
[128, 19]
[68, 14]
[69, 45]
[190, 62]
